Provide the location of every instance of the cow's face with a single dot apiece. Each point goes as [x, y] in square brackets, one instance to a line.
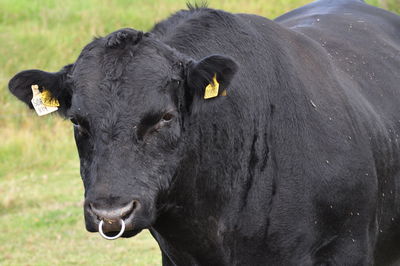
[129, 97]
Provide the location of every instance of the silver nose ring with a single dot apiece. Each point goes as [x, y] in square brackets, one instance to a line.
[111, 237]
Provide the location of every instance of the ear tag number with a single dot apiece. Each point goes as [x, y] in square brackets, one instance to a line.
[212, 89]
[42, 101]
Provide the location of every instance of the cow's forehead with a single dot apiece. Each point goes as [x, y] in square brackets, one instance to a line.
[126, 80]
[148, 61]
[120, 70]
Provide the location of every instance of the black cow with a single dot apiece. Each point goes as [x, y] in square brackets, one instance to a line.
[299, 164]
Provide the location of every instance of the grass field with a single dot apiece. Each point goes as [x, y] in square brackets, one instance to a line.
[41, 193]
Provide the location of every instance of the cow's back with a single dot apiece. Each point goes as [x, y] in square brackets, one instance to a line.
[363, 44]
[363, 41]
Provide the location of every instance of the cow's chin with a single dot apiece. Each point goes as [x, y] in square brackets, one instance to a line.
[126, 234]
[131, 233]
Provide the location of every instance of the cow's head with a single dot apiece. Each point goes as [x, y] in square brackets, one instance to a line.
[129, 97]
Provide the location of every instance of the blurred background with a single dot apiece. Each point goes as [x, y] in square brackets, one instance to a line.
[41, 194]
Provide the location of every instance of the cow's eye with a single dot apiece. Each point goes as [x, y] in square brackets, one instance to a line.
[153, 123]
[167, 117]
[81, 129]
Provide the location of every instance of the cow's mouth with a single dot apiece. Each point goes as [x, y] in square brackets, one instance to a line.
[126, 234]
[110, 232]
[114, 224]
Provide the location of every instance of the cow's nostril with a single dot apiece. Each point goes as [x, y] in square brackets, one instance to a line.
[113, 214]
[134, 206]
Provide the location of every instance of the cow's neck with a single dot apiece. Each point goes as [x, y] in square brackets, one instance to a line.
[218, 189]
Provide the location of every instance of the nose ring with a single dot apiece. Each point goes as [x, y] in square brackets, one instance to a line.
[111, 237]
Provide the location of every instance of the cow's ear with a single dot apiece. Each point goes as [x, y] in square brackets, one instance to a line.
[211, 76]
[55, 83]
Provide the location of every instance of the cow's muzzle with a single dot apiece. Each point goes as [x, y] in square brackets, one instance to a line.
[112, 223]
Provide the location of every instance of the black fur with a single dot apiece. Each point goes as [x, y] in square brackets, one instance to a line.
[298, 165]
[122, 37]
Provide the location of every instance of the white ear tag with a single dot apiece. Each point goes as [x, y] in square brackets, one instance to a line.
[37, 102]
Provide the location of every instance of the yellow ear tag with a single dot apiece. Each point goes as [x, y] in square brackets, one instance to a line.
[38, 101]
[212, 89]
[47, 100]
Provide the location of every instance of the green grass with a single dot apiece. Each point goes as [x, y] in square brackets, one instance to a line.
[41, 193]
[42, 224]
